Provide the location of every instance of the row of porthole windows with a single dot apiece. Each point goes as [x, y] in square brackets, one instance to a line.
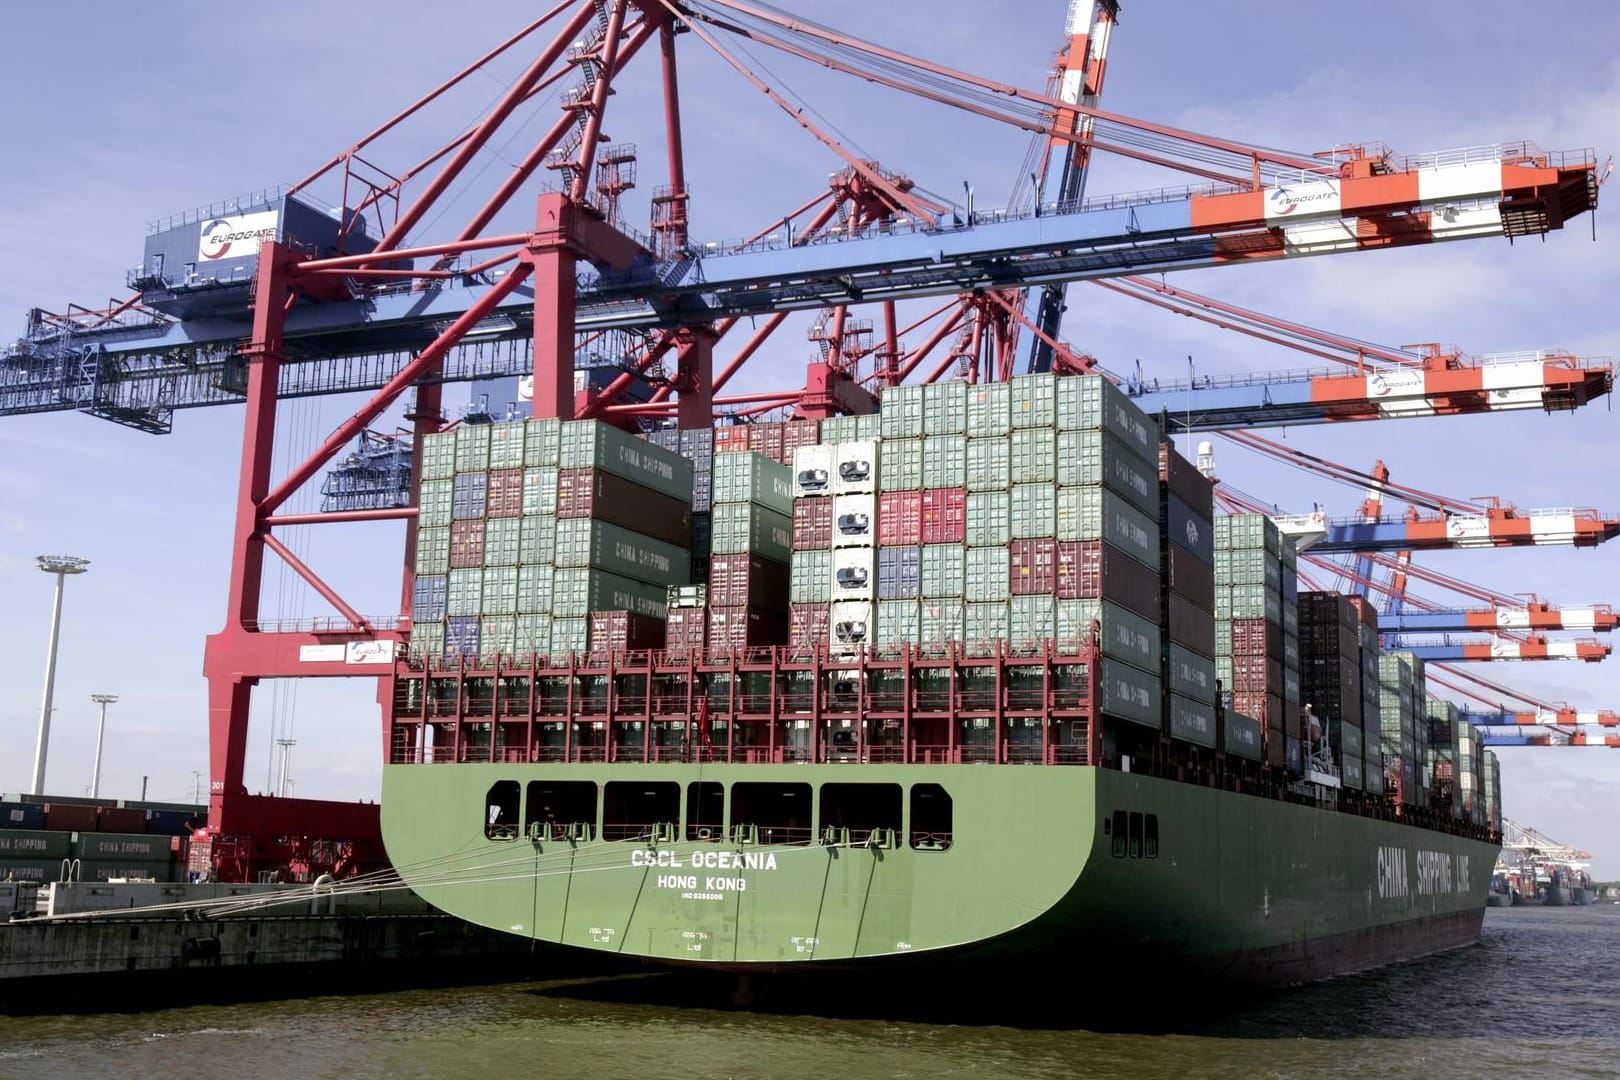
[1135, 835]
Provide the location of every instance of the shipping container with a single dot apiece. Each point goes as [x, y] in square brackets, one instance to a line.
[1189, 626]
[812, 471]
[537, 540]
[899, 574]
[432, 551]
[1031, 619]
[812, 524]
[427, 603]
[1129, 693]
[1186, 482]
[620, 630]
[462, 634]
[855, 468]
[989, 463]
[944, 568]
[531, 635]
[1122, 634]
[808, 625]
[467, 544]
[747, 580]
[945, 461]
[1032, 567]
[810, 580]
[468, 495]
[1189, 530]
[900, 465]
[34, 845]
[1243, 736]
[944, 516]
[732, 439]
[1032, 456]
[127, 847]
[438, 456]
[749, 528]
[500, 595]
[542, 443]
[850, 624]
[472, 448]
[945, 411]
[464, 592]
[602, 448]
[591, 493]
[899, 518]
[585, 542]
[427, 640]
[765, 440]
[540, 491]
[795, 433]
[22, 815]
[1090, 458]
[686, 633]
[855, 520]
[505, 493]
[1032, 511]
[985, 623]
[753, 478]
[986, 577]
[1190, 675]
[898, 621]
[1092, 569]
[575, 593]
[1096, 513]
[569, 635]
[435, 503]
[1188, 576]
[854, 574]
[989, 410]
[1034, 401]
[1192, 721]
[503, 541]
[506, 445]
[1088, 402]
[989, 519]
[941, 619]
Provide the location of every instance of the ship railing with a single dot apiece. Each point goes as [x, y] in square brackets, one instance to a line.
[931, 841]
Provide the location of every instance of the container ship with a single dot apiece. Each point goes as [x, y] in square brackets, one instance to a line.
[977, 680]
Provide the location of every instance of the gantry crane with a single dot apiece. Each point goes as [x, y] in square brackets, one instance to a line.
[363, 301]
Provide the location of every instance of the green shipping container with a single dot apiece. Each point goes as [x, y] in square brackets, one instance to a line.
[900, 465]
[1096, 513]
[810, 580]
[432, 551]
[1193, 676]
[427, 640]
[1088, 458]
[503, 541]
[1033, 451]
[537, 540]
[434, 503]
[1032, 618]
[1124, 635]
[985, 622]
[743, 528]
[753, 478]
[989, 521]
[542, 443]
[943, 570]
[34, 844]
[1034, 401]
[989, 410]
[439, 456]
[1192, 721]
[576, 593]
[986, 575]
[946, 410]
[941, 620]
[533, 635]
[534, 590]
[465, 592]
[591, 542]
[945, 461]
[472, 448]
[902, 412]
[898, 621]
[568, 635]
[506, 445]
[1032, 511]
[1243, 737]
[500, 591]
[540, 490]
[497, 636]
[1091, 402]
[589, 444]
[1130, 693]
[989, 464]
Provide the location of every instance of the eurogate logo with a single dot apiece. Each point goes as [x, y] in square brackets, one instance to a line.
[1319, 197]
[241, 235]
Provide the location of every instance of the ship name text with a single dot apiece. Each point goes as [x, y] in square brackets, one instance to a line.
[1423, 873]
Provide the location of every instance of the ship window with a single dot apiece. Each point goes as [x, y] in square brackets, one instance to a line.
[1119, 834]
[931, 817]
[501, 811]
[1150, 837]
[859, 814]
[640, 810]
[1136, 835]
[771, 813]
[559, 811]
[705, 811]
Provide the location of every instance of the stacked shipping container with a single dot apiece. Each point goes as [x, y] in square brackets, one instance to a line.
[1256, 633]
[1331, 678]
[1187, 568]
[751, 548]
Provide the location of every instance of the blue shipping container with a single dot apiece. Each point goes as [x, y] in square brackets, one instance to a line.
[1189, 530]
[461, 635]
[468, 496]
[15, 815]
[428, 604]
[702, 534]
[172, 822]
[899, 573]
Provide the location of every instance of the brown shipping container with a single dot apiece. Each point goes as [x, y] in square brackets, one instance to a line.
[595, 494]
[1095, 569]
[121, 819]
[505, 494]
[1276, 746]
[1368, 613]
[944, 516]
[797, 433]
[1256, 637]
[66, 817]
[807, 625]
[744, 628]
[466, 544]
[766, 439]
[812, 524]
[1189, 576]
[900, 518]
[686, 632]
[731, 440]
[1185, 481]
[1032, 567]
[624, 630]
[1189, 626]
[745, 580]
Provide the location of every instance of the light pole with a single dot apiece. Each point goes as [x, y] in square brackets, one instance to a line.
[103, 700]
[61, 566]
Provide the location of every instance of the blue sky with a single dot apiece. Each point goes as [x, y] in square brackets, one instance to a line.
[132, 117]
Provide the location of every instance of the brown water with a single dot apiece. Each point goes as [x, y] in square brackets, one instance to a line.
[1539, 995]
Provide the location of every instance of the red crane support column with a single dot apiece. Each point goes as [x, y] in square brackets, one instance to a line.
[695, 376]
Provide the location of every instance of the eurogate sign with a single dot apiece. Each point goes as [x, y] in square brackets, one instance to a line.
[234, 237]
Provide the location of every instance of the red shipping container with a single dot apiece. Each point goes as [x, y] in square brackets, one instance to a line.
[624, 630]
[70, 817]
[807, 626]
[686, 633]
[1189, 576]
[594, 494]
[766, 439]
[1032, 567]
[944, 516]
[122, 819]
[745, 580]
[466, 544]
[797, 433]
[812, 524]
[505, 493]
[900, 519]
[744, 628]
[1368, 613]
[1185, 481]
[1188, 625]
[1094, 569]
[731, 440]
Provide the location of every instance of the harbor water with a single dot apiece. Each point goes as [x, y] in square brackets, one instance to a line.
[1540, 990]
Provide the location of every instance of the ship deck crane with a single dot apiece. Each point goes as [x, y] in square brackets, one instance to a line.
[400, 311]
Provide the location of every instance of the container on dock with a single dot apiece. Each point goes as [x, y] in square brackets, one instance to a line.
[590, 444]
[592, 493]
[622, 630]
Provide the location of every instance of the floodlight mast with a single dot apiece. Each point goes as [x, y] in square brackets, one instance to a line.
[61, 566]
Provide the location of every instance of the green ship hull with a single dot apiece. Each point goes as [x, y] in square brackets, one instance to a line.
[1037, 864]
